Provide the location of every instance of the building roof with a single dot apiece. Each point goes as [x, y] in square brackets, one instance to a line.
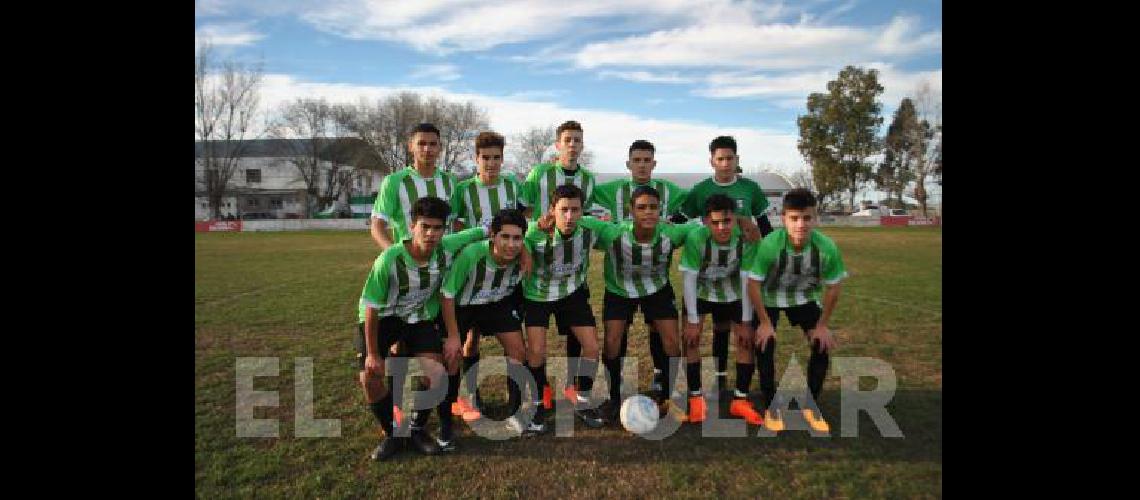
[345, 147]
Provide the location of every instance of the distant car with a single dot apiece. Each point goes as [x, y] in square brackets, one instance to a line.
[868, 212]
[898, 211]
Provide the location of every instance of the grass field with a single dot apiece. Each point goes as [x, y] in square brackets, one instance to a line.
[290, 295]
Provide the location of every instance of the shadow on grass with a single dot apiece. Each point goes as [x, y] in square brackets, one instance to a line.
[918, 414]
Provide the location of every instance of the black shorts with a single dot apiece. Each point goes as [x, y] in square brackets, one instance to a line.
[489, 319]
[657, 305]
[418, 338]
[721, 311]
[804, 316]
[570, 311]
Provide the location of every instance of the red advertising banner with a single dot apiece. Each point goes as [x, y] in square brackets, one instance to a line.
[894, 220]
[217, 225]
[908, 220]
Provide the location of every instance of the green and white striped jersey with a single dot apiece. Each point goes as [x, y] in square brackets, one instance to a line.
[401, 189]
[475, 277]
[718, 267]
[560, 262]
[399, 286]
[545, 177]
[614, 197]
[634, 269]
[791, 279]
[475, 203]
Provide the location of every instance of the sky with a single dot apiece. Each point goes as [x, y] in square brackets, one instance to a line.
[676, 73]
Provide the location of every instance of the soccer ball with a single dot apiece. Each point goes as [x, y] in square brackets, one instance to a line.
[639, 414]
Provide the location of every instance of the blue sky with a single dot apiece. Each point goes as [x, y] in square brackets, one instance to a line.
[674, 72]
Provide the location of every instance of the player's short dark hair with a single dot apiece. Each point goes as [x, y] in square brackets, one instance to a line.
[566, 191]
[723, 141]
[719, 203]
[489, 139]
[640, 191]
[798, 199]
[642, 145]
[508, 216]
[424, 127]
[430, 207]
[567, 125]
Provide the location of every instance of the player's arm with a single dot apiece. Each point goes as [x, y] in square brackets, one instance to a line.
[690, 267]
[453, 282]
[529, 196]
[761, 265]
[375, 289]
[380, 233]
[760, 207]
[372, 360]
[607, 231]
[692, 319]
[456, 241]
[748, 227]
[832, 273]
[451, 344]
[386, 207]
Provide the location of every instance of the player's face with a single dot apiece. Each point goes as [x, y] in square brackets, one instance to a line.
[723, 162]
[799, 224]
[721, 225]
[646, 211]
[490, 161]
[427, 232]
[508, 241]
[425, 148]
[570, 143]
[566, 214]
[641, 165]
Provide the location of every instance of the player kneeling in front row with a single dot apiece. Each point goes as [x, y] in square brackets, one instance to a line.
[482, 290]
[400, 302]
[791, 266]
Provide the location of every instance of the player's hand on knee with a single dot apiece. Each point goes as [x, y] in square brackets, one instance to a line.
[373, 366]
[451, 346]
[824, 337]
[692, 334]
[764, 333]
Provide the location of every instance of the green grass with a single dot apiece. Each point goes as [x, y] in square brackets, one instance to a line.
[289, 295]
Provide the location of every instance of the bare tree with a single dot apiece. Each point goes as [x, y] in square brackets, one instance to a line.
[303, 128]
[458, 125]
[929, 108]
[225, 102]
[802, 179]
[529, 147]
[385, 124]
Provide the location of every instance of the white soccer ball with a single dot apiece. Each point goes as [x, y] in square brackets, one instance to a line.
[639, 414]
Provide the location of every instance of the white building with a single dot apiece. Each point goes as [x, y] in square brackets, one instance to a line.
[266, 185]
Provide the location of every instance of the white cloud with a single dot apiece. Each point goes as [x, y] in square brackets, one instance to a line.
[445, 26]
[791, 90]
[741, 43]
[441, 72]
[646, 77]
[735, 85]
[682, 146]
[227, 34]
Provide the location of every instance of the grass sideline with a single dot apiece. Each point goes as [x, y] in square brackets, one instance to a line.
[294, 294]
